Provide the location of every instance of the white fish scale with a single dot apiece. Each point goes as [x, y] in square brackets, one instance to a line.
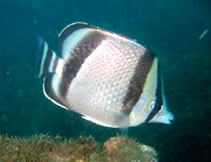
[102, 82]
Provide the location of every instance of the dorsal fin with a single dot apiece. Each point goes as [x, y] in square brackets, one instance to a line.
[69, 29]
[69, 35]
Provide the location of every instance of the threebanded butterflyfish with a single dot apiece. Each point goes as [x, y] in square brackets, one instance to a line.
[109, 79]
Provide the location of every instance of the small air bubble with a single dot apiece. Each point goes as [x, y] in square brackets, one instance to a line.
[20, 93]
[35, 21]
[4, 117]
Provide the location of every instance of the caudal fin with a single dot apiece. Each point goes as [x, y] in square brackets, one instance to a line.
[48, 59]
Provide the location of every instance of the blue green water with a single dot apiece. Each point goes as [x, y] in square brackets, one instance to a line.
[171, 29]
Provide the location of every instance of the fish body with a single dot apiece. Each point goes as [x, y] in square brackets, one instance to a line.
[107, 78]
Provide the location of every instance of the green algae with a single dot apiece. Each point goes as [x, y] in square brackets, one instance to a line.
[46, 148]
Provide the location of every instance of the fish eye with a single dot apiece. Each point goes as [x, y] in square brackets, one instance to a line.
[152, 105]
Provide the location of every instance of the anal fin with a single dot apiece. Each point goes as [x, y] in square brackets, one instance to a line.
[51, 90]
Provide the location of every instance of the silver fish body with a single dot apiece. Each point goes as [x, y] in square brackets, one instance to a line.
[109, 79]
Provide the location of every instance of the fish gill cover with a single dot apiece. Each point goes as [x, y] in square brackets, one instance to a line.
[178, 32]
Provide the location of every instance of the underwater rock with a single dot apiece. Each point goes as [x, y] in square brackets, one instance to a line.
[83, 149]
[121, 148]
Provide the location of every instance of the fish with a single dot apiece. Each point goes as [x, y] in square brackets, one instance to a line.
[107, 78]
[203, 34]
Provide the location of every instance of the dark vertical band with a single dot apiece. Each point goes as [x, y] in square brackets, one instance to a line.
[158, 92]
[78, 55]
[158, 97]
[71, 29]
[138, 80]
